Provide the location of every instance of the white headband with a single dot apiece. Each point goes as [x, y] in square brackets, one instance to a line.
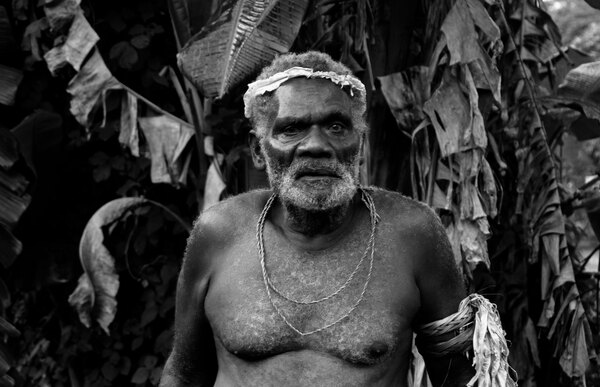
[274, 81]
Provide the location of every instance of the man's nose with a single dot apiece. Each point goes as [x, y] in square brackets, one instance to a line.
[315, 144]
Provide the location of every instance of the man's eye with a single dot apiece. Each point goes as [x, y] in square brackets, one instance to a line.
[337, 128]
[290, 130]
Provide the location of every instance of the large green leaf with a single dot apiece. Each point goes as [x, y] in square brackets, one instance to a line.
[245, 36]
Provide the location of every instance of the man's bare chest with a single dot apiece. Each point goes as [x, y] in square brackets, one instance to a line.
[369, 301]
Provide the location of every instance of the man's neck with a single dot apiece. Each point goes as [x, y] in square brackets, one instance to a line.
[315, 230]
[311, 223]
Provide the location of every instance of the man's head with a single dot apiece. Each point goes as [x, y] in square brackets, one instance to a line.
[307, 112]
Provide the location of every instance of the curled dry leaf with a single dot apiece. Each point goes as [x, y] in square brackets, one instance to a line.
[94, 297]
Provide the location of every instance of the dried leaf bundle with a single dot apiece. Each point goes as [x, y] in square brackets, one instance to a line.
[538, 205]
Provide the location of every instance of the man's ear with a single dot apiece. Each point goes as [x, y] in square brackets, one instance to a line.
[258, 159]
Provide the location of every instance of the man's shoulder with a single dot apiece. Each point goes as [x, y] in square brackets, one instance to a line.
[229, 215]
[401, 207]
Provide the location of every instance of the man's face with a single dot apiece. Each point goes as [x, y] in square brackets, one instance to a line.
[311, 147]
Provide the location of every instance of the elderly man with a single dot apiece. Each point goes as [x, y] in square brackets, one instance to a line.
[317, 281]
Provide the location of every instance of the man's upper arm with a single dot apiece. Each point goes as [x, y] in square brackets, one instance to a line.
[439, 281]
[192, 360]
[441, 290]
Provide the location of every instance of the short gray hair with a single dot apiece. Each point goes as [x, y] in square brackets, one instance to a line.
[260, 105]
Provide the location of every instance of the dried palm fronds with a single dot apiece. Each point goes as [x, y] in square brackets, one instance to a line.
[244, 37]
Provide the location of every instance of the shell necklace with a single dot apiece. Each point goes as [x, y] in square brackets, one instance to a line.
[269, 286]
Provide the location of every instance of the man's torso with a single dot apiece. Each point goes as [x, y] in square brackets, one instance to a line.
[370, 346]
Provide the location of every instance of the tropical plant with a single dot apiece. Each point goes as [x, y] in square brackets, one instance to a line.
[466, 115]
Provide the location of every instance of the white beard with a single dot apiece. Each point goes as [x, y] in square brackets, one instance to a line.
[325, 194]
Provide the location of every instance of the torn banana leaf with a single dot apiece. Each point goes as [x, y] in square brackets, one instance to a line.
[245, 36]
[405, 93]
[166, 138]
[81, 39]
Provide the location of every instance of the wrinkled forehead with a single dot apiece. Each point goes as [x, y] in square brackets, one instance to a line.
[301, 96]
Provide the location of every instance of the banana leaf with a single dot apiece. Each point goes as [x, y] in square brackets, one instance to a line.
[81, 39]
[245, 36]
[10, 79]
[582, 85]
[94, 298]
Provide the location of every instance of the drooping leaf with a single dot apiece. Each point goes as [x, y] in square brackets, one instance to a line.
[10, 78]
[456, 124]
[94, 297]
[461, 37]
[483, 21]
[244, 37]
[405, 93]
[93, 84]
[88, 86]
[166, 138]
[81, 39]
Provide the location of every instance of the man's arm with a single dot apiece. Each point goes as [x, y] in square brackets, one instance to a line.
[441, 288]
[192, 361]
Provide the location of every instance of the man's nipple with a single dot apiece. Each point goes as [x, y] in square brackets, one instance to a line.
[378, 349]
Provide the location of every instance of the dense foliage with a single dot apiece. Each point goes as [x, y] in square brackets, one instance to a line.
[117, 119]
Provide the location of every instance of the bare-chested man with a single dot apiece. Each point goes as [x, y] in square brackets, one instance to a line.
[316, 282]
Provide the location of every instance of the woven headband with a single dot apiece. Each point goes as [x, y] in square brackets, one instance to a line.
[272, 83]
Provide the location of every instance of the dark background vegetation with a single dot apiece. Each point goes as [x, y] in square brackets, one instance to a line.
[76, 172]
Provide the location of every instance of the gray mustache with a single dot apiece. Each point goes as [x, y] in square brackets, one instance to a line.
[300, 168]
